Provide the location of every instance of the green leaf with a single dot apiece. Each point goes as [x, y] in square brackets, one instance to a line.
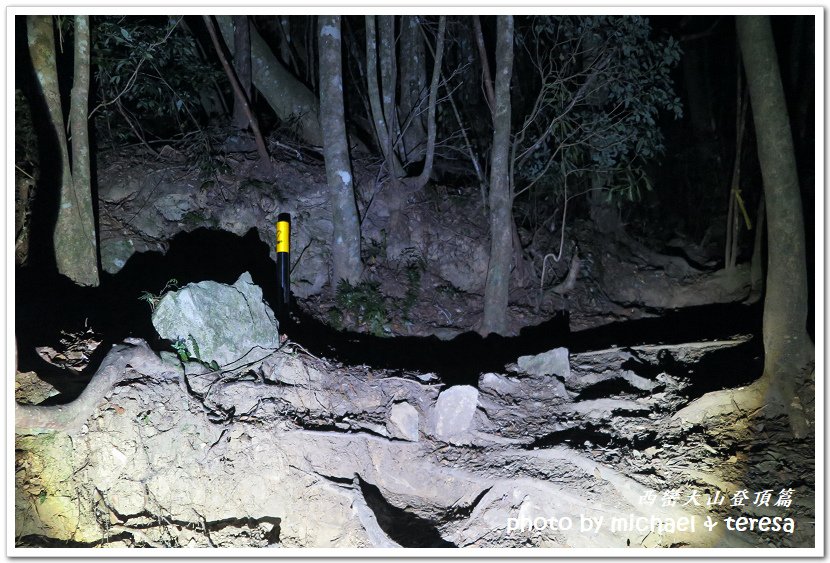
[181, 349]
[196, 353]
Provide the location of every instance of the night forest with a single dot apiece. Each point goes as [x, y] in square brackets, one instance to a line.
[415, 281]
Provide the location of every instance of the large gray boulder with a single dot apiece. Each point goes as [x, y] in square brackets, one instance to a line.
[452, 417]
[230, 325]
[403, 422]
[552, 362]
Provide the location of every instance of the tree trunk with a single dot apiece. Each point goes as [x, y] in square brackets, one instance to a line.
[756, 268]
[501, 247]
[81, 242]
[429, 157]
[242, 66]
[74, 236]
[345, 246]
[786, 343]
[239, 95]
[413, 88]
[604, 214]
[486, 80]
[381, 125]
[285, 43]
[290, 99]
[733, 218]
[388, 79]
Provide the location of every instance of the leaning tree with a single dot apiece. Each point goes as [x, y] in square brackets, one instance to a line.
[787, 346]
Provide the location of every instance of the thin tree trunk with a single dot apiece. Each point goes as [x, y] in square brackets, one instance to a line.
[242, 65]
[206, 106]
[486, 79]
[84, 249]
[345, 247]
[498, 271]
[730, 225]
[357, 75]
[42, 51]
[378, 120]
[756, 268]
[413, 88]
[285, 43]
[298, 41]
[309, 47]
[241, 100]
[733, 219]
[423, 178]
[471, 153]
[388, 79]
[786, 343]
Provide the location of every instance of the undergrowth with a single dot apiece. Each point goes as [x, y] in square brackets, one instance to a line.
[362, 305]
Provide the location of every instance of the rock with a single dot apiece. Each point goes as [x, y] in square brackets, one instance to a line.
[452, 416]
[403, 422]
[169, 358]
[673, 286]
[606, 408]
[518, 390]
[115, 253]
[29, 389]
[496, 384]
[553, 362]
[230, 325]
[289, 370]
[118, 191]
[309, 464]
[447, 333]
[161, 199]
[174, 206]
[638, 381]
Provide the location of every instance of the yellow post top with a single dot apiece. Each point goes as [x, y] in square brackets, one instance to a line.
[283, 236]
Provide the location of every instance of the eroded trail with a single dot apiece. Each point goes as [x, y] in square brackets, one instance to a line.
[299, 450]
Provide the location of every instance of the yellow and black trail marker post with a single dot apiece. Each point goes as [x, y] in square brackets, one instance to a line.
[283, 264]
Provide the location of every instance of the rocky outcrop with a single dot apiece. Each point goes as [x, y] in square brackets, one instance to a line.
[298, 452]
[143, 207]
[229, 325]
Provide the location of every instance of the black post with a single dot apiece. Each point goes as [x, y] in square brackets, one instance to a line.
[283, 264]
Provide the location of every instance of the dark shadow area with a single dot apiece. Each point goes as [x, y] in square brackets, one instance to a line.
[47, 303]
[462, 360]
[272, 537]
[727, 368]
[575, 437]
[405, 528]
[611, 387]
